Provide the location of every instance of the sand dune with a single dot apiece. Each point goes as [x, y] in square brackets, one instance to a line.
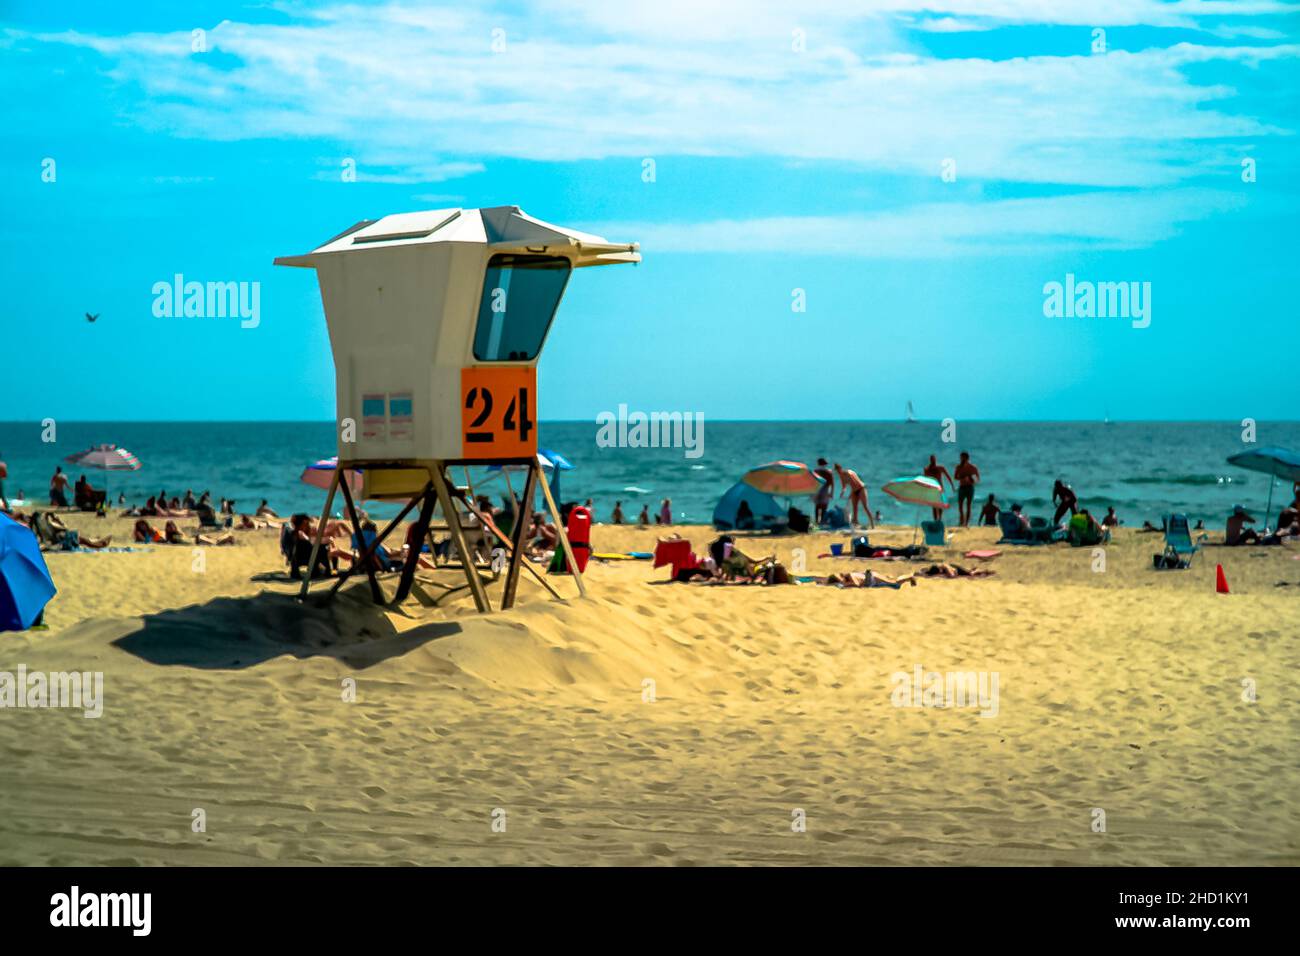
[1119, 690]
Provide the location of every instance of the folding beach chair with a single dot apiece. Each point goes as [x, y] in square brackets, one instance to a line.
[1179, 548]
[935, 535]
[1044, 532]
[1012, 532]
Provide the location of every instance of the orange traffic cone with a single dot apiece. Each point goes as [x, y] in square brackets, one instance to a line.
[1220, 582]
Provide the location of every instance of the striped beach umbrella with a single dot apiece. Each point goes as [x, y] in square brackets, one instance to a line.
[105, 458]
[785, 478]
[320, 474]
[918, 490]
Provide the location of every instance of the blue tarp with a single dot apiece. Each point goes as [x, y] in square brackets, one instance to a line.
[767, 513]
[25, 585]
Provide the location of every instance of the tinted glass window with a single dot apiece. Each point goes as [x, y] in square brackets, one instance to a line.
[520, 296]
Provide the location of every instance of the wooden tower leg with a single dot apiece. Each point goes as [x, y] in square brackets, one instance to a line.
[417, 539]
[376, 591]
[320, 533]
[517, 535]
[439, 480]
[564, 537]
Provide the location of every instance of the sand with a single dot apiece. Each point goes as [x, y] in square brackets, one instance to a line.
[535, 737]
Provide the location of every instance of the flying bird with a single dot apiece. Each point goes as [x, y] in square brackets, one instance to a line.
[91, 318]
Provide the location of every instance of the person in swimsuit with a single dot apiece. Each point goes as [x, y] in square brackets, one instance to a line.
[1067, 501]
[822, 500]
[938, 473]
[968, 477]
[989, 514]
[853, 486]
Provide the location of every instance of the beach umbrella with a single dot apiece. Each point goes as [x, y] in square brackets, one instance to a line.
[105, 458]
[25, 584]
[558, 464]
[917, 490]
[1273, 461]
[786, 478]
[320, 474]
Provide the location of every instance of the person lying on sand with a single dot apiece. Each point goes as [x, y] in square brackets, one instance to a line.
[172, 534]
[264, 510]
[249, 523]
[869, 579]
[954, 571]
[225, 537]
[50, 530]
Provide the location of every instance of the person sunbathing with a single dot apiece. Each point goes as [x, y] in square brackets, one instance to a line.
[264, 510]
[944, 570]
[869, 579]
[298, 542]
[1235, 531]
[144, 532]
[172, 534]
[249, 523]
[225, 537]
[50, 530]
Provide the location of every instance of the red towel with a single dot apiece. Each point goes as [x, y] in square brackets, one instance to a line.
[676, 552]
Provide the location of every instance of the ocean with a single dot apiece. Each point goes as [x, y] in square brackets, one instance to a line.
[1143, 469]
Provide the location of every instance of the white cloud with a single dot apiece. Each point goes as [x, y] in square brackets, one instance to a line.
[1087, 221]
[594, 80]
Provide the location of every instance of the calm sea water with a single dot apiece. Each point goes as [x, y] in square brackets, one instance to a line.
[1142, 468]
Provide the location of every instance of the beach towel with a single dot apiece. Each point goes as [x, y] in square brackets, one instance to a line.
[675, 552]
[983, 555]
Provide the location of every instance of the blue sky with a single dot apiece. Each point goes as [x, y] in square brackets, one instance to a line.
[795, 146]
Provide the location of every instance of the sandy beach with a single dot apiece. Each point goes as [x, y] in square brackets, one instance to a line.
[657, 723]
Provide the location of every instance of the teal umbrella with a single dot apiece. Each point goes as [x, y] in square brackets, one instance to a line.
[1273, 461]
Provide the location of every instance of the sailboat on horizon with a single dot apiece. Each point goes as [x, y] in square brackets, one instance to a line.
[911, 414]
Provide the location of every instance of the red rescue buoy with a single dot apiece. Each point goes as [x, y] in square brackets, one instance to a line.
[579, 530]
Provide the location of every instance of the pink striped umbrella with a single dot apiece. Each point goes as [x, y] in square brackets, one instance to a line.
[105, 458]
[320, 474]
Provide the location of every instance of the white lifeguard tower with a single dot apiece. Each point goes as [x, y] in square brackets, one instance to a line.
[437, 320]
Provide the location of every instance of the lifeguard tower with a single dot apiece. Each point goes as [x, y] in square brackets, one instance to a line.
[437, 320]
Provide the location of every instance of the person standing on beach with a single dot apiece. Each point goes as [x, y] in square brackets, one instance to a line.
[856, 489]
[59, 488]
[822, 500]
[617, 516]
[968, 477]
[643, 519]
[938, 473]
[1068, 501]
[666, 512]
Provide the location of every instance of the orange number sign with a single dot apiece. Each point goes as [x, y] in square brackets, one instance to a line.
[498, 411]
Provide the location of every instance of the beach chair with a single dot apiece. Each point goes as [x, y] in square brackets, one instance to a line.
[1044, 532]
[935, 535]
[1012, 532]
[1179, 547]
